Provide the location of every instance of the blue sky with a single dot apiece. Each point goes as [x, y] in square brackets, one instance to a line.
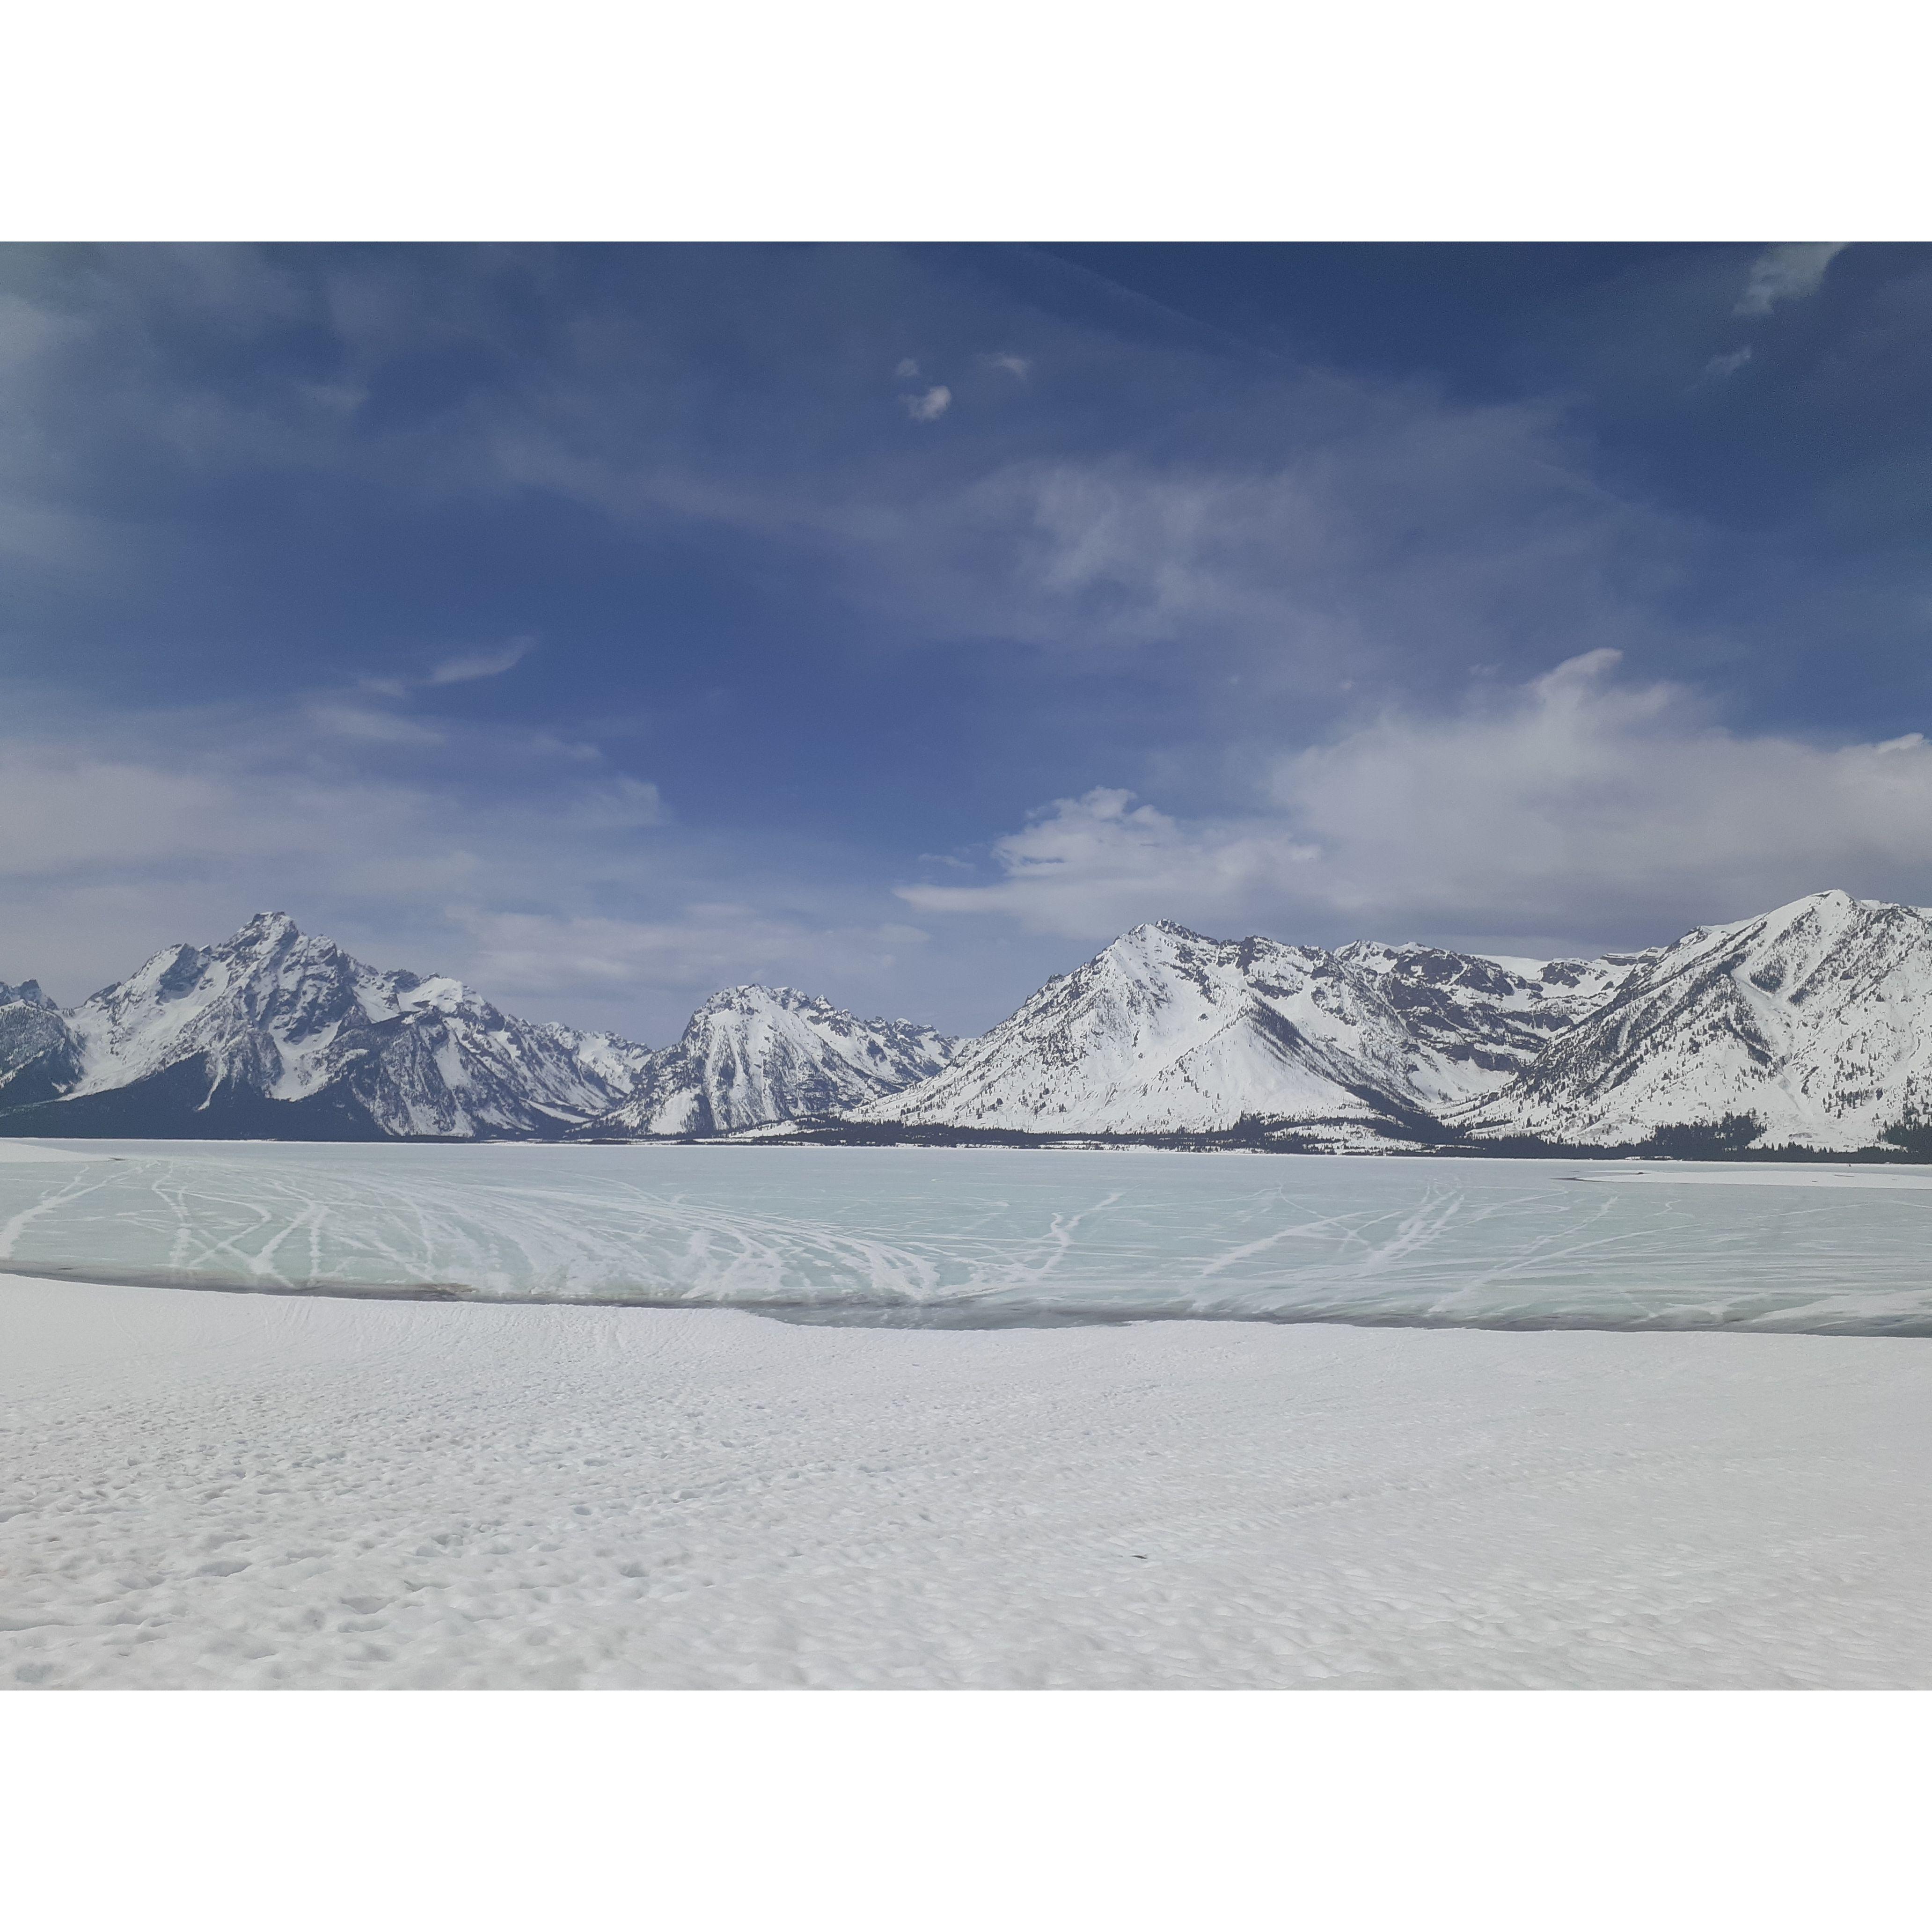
[609, 624]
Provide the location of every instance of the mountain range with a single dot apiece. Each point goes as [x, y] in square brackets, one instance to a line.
[273, 1034]
[1167, 1032]
[1810, 1026]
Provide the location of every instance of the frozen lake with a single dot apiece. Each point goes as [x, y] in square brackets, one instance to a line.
[993, 1237]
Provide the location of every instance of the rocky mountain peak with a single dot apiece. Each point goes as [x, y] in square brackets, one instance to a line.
[1168, 1031]
[754, 1054]
[1813, 1020]
[274, 1030]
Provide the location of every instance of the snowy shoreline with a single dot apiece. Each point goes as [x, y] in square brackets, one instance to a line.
[941, 1318]
[212, 1490]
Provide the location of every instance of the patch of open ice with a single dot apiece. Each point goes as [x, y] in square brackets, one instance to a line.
[905, 1237]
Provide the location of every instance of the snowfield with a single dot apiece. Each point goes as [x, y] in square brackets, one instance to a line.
[964, 1458]
[221, 1490]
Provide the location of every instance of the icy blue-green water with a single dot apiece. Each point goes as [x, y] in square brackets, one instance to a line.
[993, 1237]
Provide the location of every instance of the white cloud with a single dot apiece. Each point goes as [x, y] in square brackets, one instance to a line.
[1583, 790]
[1348, 526]
[1786, 273]
[133, 830]
[1375, 536]
[618, 804]
[409, 874]
[68, 810]
[1014, 365]
[907, 370]
[1720, 367]
[506, 858]
[691, 953]
[1580, 804]
[1088, 867]
[696, 951]
[370, 727]
[577, 752]
[475, 664]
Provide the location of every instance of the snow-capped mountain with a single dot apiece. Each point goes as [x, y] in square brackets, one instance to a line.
[1811, 1025]
[1500, 1011]
[1816, 1019]
[1165, 1031]
[753, 1054]
[275, 1033]
[38, 1054]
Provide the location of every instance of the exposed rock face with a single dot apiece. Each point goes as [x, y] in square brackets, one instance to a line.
[1816, 1020]
[274, 1032]
[39, 1057]
[754, 1054]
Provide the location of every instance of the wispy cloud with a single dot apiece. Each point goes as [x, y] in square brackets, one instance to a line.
[137, 828]
[370, 727]
[1186, 563]
[582, 898]
[473, 665]
[1786, 273]
[691, 949]
[931, 406]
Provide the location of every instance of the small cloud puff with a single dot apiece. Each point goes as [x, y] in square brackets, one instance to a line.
[906, 369]
[1014, 365]
[1786, 273]
[482, 664]
[1719, 367]
[931, 406]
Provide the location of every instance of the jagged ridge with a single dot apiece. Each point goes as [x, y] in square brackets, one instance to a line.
[1167, 1031]
[273, 1031]
[1810, 1026]
[1814, 1021]
[276, 1034]
[753, 1054]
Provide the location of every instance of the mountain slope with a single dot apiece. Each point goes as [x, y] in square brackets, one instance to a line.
[1166, 1031]
[274, 1031]
[39, 1056]
[1817, 1019]
[753, 1054]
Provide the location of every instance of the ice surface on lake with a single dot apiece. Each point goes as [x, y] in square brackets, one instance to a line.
[988, 1237]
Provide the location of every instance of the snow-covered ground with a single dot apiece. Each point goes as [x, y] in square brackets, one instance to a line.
[212, 1489]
